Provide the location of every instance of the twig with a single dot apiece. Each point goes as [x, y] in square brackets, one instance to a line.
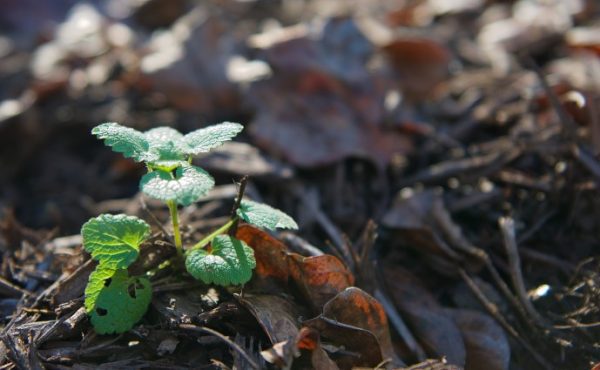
[399, 325]
[153, 217]
[507, 227]
[232, 344]
[495, 313]
[236, 205]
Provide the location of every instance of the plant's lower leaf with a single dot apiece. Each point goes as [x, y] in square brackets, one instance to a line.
[265, 216]
[185, 186]
[229, 262]
[114, 240]
[116, 302]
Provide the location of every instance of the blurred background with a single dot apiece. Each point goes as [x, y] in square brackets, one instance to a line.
[388, 110]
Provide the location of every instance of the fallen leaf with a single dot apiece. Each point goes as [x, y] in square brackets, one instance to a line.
[270, 254]
[420, 62]
[322, 104]
[353, 346]
[355, 307]
[277, 316]
[435, 330]
[486, 344]
[319, 278]
[179, 66]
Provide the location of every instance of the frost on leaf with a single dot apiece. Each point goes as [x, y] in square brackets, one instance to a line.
[185, 185]
[164, 148]
[264, 216]
[131, 143]
[114, 240]
[166, 142]
[229, 262]
[205, 139]
[115, 301]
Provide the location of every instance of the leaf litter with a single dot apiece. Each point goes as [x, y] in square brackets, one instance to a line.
[468, 131]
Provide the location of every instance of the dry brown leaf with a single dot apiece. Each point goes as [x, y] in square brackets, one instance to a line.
[355, 307]
[319, 278]
[434, 329]
[485, 341]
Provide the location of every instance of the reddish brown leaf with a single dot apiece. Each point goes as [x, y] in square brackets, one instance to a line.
[358, 347]
[322, 103]
[422, 63]
[355, 307]
[270, 253]
[319, 278]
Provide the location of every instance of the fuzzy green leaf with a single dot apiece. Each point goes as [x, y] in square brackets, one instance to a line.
[167, 143]
[229, 262]
[131, 143]
[187, 185]
[115, 301]
[114, 240]
[264, 216]
[205, 139]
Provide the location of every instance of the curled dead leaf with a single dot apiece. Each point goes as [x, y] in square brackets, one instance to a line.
[355, 307]
[319, 278]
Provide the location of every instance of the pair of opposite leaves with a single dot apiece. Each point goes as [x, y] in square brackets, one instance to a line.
[115, 300]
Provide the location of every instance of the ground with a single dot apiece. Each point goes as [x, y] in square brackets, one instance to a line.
[441, 160]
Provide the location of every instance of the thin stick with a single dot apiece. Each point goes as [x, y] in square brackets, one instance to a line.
[492, 309]
[236, 205]
[152, 216]
[175, 221]
[507, 227]
[232, 344]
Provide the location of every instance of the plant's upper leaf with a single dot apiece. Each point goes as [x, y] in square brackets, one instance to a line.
[229, 262]
[265, 216]
[166, 142]
[204, 139]
[114, 240]
[186, 186]
[116, 302]
[131, 143]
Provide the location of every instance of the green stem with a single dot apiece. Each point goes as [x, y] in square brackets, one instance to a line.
[175, 221]
[204, 242]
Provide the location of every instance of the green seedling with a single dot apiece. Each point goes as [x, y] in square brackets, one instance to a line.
[115, 300]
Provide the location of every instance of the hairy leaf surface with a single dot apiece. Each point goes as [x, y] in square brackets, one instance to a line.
[265, 216]
[114, 240]
[229, 262]
[205, 139]
[185, 186]
[131, 143]
[116, 301]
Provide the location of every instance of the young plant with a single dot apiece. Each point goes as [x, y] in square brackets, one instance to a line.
[115, 300]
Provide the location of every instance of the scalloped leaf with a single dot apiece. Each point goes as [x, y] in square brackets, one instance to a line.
[167, 143]
[205, 139]
[229, 262]
[265, 216]
[185, 186]
[115, 301]
[131, 143]
[114, 240]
